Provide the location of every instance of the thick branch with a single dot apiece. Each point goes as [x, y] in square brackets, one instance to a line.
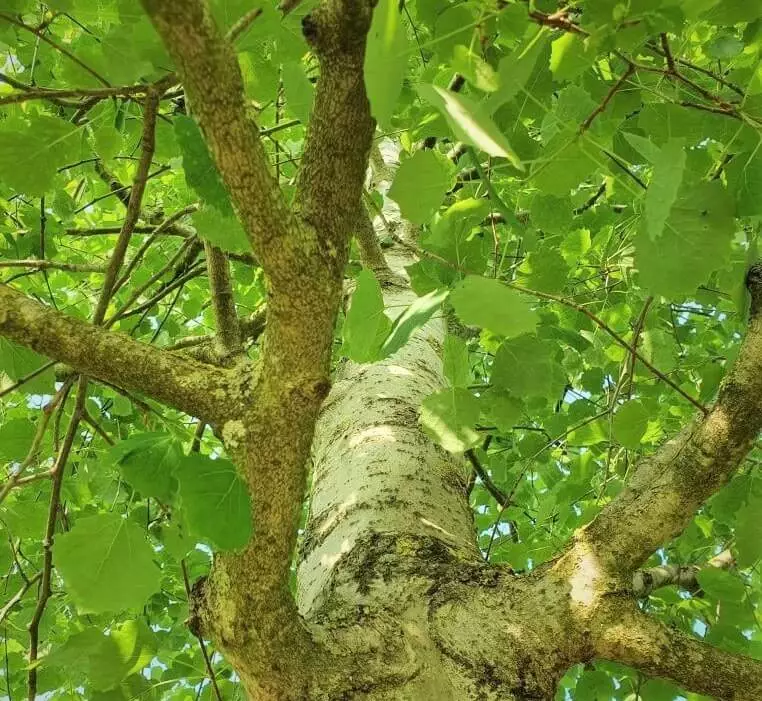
[340, 131]
[632, 638]
[213, 83]
[668, 487]
[185, 384]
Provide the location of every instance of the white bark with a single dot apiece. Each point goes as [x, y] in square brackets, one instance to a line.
[375, 471]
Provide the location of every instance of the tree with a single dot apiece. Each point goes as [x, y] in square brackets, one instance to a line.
[365, 349]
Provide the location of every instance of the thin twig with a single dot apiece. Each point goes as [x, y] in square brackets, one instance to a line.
[148, 143]
[235, 32]
[45, 590]
[41, 34]
[498, 494]
[27, 378]
[42, 426]
[204, 653]
[603, 325]
[18, 596]
[608, 97]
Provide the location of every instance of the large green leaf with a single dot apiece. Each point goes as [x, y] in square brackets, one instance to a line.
[630, 424]
[485, 302]
[386, 58]
[695, 241]
[215, 501]
[148, 461]
[299, 91]
[201, 173]
[449, 417]
[32, 151]
[221, 230]
[106, 563]
[664, 186]
[421, 184]
[106, 659]
[527, 367]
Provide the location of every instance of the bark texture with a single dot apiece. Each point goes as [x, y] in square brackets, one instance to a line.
[393, 598]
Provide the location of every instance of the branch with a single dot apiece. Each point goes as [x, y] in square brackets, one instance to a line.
[603, 325]
[634, 639]
[340, 131]
[113, 357]
[18, 596]
[683, 576]
[228, 337]
[40, 264]
[148, 143]
[42, 427]
[45, 591]
[370, 249]
[668, 487]
[34, 93]
[213, 82]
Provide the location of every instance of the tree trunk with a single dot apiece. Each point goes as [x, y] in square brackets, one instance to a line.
[390, 573]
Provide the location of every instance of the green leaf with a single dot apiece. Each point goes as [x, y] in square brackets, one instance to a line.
[526, 367]
[744, 174]
[223, 231]
[630, 424]
[16, 438]
[565, 162]
[724, 46]
[470, 122]
[106, 659]
[515, 69]
[299, 91]
[32, 151]
[475, 69]
[488, 303]
[412, 319]
[366, 325]
[664, 186]
[551, 214]
[647, 148]
[215, 501]
[457, 368]
[17, 362]
[570, 56]
[386, 59]
[695, 241]
[148, 461]
[544, 270]
[421, 184]
[200, 170]
[721, 584]
[449, 417]
[501, 408]
[748, 528]
[106, 564]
